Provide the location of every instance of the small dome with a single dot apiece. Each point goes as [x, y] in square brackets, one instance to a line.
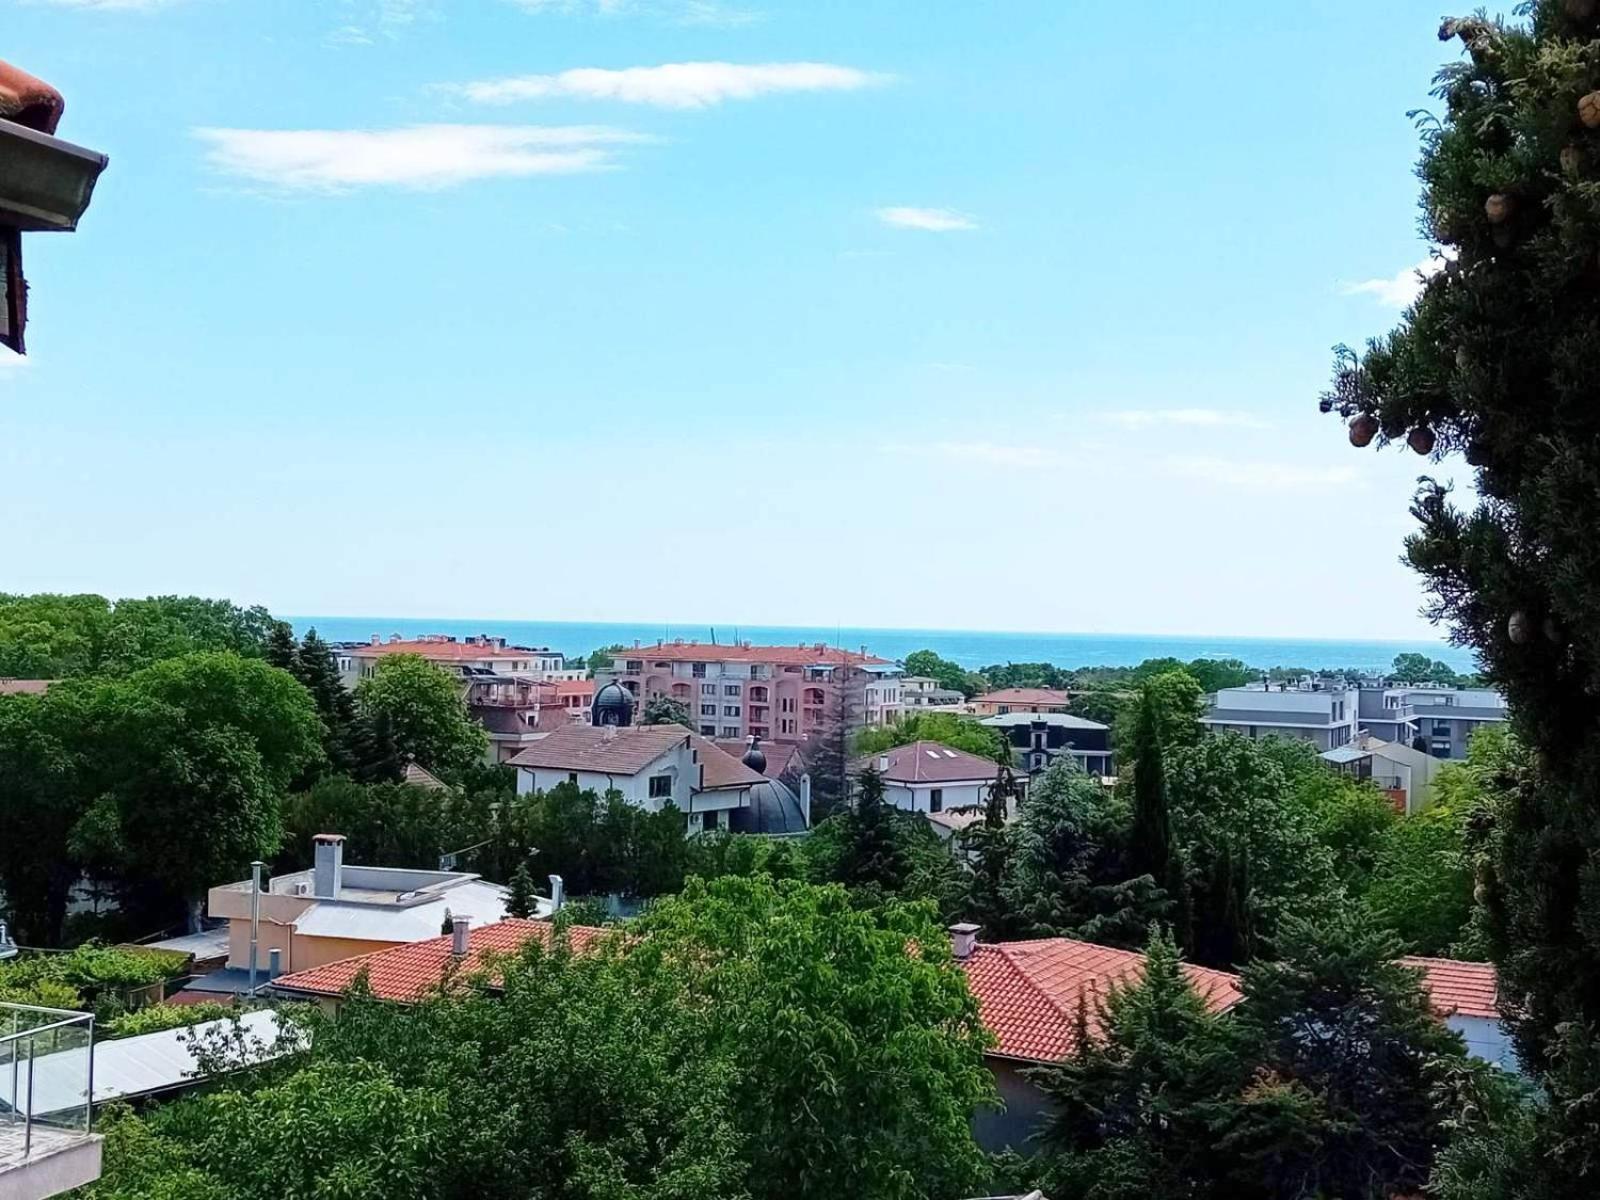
[612, 706]
[754, 758]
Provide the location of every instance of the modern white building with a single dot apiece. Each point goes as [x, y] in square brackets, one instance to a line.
[650, 766]
[923, 693]
[1322, 712]
[1405, 773]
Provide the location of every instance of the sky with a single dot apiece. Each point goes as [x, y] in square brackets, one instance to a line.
[976, 314]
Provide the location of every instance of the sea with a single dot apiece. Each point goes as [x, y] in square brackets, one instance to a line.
[971, 648]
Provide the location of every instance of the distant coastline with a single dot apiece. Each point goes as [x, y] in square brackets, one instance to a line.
[972, 649]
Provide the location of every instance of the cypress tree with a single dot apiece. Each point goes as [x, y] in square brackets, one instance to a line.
[1150, 846]
[1498, 361]
[280, 649]
[316, 668]
[522, 901]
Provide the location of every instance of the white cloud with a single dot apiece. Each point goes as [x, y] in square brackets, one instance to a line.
[1258, 476]
[368, 20]
[932, 220]
[1399, 291]
[415, 156]
[1191, 417]
[672, 85]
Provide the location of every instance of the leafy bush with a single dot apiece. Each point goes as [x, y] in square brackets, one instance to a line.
[157, 1017]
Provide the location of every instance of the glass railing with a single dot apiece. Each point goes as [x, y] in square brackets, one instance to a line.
[46, 1079]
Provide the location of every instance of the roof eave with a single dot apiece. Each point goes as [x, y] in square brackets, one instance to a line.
[45, 182]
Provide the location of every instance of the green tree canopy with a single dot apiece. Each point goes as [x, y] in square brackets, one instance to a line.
[949, 729]
[418, 711]
[664, 710]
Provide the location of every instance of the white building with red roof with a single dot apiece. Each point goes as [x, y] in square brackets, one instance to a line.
[777, 693]
[929, 777]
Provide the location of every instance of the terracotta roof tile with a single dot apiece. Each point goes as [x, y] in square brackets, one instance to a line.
[719, 769]
[1028, 992]
[29, 101]
[778, 754]
[575, 687]
[1024, 696]
[626, 751]
[407, 973]
[438, 650]
[1455, 987]
[928, 762]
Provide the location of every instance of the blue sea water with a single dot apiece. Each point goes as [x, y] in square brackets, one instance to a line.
[970, 649]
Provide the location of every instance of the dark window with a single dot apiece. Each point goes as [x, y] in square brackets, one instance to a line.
[572, 777]
[698, 670]
[708, 710]
[708, 821]
[730, 710]
[730, 689]
[660, 786]
[936, 800]
[708, 731]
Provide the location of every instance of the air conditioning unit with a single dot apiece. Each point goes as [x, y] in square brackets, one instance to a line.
[302, 888]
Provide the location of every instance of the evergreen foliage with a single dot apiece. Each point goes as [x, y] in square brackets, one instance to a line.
[522, 900]
[664, 710]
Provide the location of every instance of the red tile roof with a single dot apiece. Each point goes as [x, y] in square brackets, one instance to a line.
[1455, 987]
[440, 650]
[407, 973]
[928, 762]
[793, 656]
[29, 101]
[604, 750]
[24, 687]
[719, 769]
[1028, 992]
[778, 754]
[1024, 696]
[575, 687]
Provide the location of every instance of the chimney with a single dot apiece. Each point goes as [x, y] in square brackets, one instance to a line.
[393, 638]
[963, 940]
[274, 963]
[883, 763]
[805, 799]
[558, 894]
[609, 732]
[459, 927]
[327, 874]
[376, 640]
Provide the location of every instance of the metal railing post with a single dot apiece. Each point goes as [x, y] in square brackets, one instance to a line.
[27, 1121]
[88, 1102]
[16, 1018]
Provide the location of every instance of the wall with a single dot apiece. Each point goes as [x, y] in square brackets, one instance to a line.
[1487, 1039]
[1010, 1126]
[918, 797]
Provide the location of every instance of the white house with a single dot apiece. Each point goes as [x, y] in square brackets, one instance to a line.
[651, 766]
[1324, 713]
[927, 777]
[1406, 774]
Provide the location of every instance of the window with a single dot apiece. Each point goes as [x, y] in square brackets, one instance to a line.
[786, 704]
[708, 710]
[730, 731]
[730, 689]
[936, 800]
[572, 777]
[708, 689]
[708, 731]
[708, 821]
[758, 672]
[635, 666]
[660, 787]
[1441, 729]
[730, 710]
[698, 670]
[785, 725]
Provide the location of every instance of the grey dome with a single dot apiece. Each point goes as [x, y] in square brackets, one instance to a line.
[613, 705]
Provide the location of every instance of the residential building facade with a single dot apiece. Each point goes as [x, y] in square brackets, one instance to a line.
[1039, 739]
[923, 693]
[1031, 700]
[928, 777]
[1323, 713]
[775, 693]
[1446, 718]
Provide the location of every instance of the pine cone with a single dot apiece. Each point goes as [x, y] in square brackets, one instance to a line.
[1362, 430]
[1499, 207]
[1589, 110]
[1421, 440]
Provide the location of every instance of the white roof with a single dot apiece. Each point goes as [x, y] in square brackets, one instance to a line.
[208, 943]
[135, 1066]
[480, 902]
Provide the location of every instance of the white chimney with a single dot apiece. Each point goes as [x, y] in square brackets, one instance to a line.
[805, 799]
[376, 639]
[274, 963]
[558, 893]
[459, 936]
[327, 875]
[963, 940]
[609, 732]
[883, 763]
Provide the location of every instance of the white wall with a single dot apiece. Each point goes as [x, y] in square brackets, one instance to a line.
[919, 797]
[1486, 1039]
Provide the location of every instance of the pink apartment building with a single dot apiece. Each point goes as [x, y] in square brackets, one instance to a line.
[777, 693]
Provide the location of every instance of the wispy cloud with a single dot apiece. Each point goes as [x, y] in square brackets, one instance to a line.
[415, 156]
[1256, 476]
[684, 85]
[1216, 418]
[367, 21]
[1399, 291]
[931, 220]
[678, 12]
[111, 5]
[981, 453]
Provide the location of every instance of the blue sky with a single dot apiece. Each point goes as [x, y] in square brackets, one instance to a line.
[996, 314]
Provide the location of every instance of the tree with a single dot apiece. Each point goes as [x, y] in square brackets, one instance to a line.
[522, 900]
[870, 856]
[1496, 362]
[142, 632]
[949, 674]
[664, 710]
[1250, 851]
[1353, 1029]
[1353, 820]
[826, 753]
[1177, 704]
[1150, 850]
[280, 650]
[316, 668]
[421, 715]
[1099, 704]
[1131, 1107]
[1213, 674]
[601, 659]
[42, 799]
[51, 637]
[1068, 872]
[948, 729]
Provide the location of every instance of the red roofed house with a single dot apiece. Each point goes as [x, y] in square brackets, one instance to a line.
[405, 974]
[777, 693]
[929, 777]
[656, 765]
[1028, 996]
[1010, 700]
[1465, 996]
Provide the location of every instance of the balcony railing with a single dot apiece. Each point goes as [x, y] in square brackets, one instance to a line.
[46, 1081]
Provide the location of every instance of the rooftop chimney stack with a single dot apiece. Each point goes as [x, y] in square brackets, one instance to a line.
[459, 936]
[558, 893]
[327, 875]
[883, 763]
[963, 940]
[274, 963]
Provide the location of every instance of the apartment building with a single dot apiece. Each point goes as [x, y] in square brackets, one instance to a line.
[1038, 739]
[1446, 718]
[923, 693]
[482, 654]
[1325, 713]
[775, 693]
[1021, 699]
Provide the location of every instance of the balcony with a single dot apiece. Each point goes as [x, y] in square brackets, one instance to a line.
[46, 1078]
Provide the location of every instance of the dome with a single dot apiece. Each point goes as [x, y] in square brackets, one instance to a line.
[613, 705]
[754, 758]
